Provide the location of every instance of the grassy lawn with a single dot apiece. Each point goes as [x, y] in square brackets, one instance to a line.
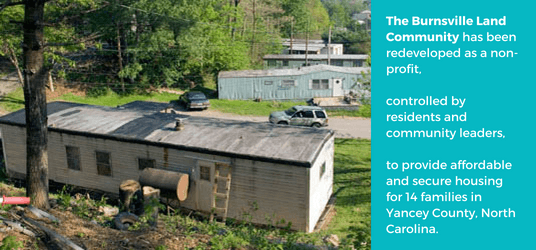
[15, 101]
[364, 111]
[112, 99]
[351, 185]
[252, 108]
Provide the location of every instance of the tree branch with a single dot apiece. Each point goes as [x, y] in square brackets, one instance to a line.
[64, 19]
[8, 3]
[88, 38]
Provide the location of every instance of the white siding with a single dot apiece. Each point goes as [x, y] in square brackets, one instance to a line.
[14, 139]
[277, 191]
[268, 192]
[320, 188]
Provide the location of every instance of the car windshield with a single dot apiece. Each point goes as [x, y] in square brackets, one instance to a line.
[197, 96]
[290, 111]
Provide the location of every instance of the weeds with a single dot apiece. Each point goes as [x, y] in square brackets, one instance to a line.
[11, 242]
[82, 206]
[150, 215]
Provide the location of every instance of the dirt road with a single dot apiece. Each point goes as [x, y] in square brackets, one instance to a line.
[348, 127]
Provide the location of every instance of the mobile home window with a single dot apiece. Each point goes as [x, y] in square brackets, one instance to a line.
[320, 84]
[272, 63]
[104, 167]
[268, 82]
[146, 163]
[204, 173]
[288, 83]
[73, 157]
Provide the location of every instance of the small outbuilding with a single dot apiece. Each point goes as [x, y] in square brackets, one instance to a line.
[289, 84]
[259, 171]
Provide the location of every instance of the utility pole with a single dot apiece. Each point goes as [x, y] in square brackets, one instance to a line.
[254, 26]
[329, 46]
[120, 57]
[291, 35]
[307, 44]
[233, 30]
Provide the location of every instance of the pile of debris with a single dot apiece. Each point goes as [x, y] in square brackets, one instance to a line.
[76, 222]
[33, 222]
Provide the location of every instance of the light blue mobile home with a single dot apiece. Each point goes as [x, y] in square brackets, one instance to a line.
[294, 61]
[289, 84]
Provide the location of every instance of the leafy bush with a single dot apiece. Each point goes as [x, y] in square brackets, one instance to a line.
[99, 90]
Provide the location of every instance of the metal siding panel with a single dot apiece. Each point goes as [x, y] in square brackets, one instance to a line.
[250, 88]
[320, 189]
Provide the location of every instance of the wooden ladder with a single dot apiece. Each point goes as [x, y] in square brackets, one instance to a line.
[218, 194]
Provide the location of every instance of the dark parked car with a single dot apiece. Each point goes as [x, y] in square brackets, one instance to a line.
[194, 100]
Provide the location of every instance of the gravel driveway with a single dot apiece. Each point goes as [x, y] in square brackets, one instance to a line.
[348, 127]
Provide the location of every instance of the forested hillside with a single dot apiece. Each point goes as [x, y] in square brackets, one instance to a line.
[129, 45]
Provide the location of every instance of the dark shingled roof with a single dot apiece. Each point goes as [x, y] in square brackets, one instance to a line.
[142, 122]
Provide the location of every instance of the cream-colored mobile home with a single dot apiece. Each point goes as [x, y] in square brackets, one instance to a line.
[237, 168]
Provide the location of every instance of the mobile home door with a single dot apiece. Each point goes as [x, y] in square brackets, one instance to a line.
[337, 87]
[205, 186]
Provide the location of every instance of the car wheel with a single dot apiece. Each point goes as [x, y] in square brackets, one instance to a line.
[316, 125]
[282, 123]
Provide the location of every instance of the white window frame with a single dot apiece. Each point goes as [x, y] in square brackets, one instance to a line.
[311, 84]
[287, 84]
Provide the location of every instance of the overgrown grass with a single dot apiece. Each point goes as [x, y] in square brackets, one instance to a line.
[252, 108]
[112, 99]
[15, 101]
[351, 185]
[364, 111]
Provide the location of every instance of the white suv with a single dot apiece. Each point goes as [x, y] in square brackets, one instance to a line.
[301, 116]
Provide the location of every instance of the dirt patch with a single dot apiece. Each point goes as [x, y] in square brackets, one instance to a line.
[172, 91]
[61, 89]
[91, 235]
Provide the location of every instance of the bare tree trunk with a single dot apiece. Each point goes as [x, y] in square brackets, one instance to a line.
[253, 34]
[13, 59]
[35, 105]
[120, 57]
[50, 81]
[329, 46]
[236, 2]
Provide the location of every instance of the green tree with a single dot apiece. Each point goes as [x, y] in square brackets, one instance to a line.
[11, 37]
[341, 11]
[35, 46]
[174, 42]
[307, 16]
[355, 42]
